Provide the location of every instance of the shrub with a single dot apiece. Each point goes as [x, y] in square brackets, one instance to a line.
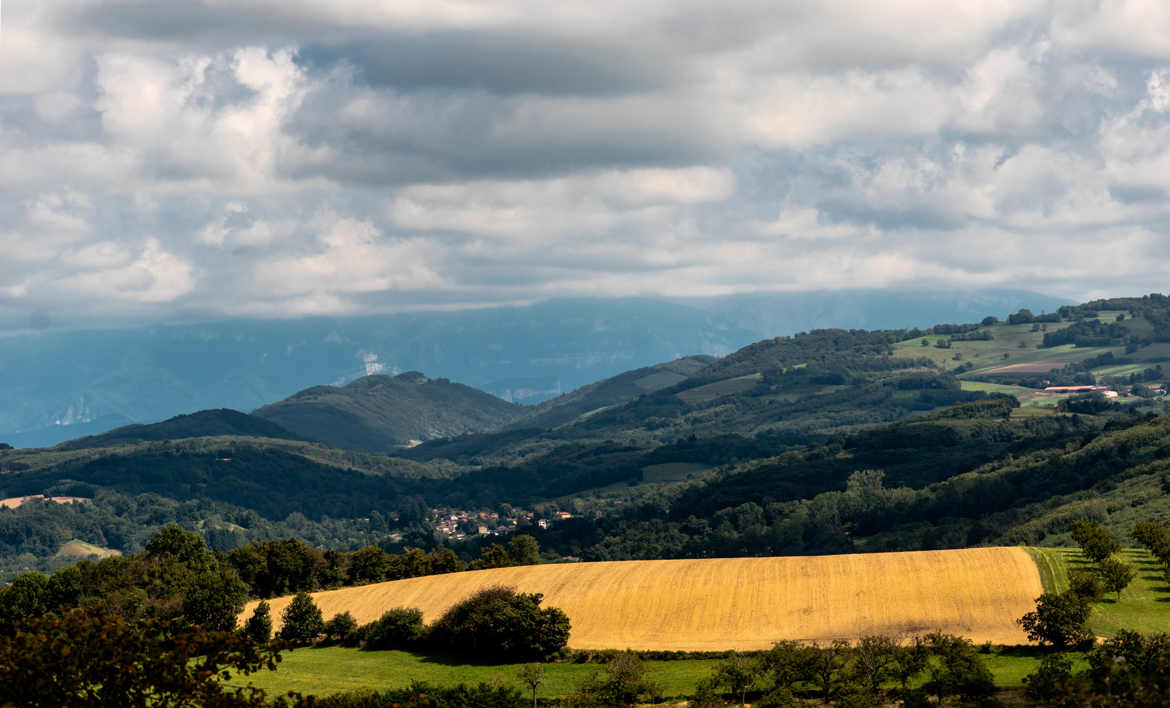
[397, 628]
[340, 628]
[501, 624]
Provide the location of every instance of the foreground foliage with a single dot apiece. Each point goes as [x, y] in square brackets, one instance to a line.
[93, 657]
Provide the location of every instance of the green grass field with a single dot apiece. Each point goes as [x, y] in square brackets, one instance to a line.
[1144, 605]
[330, 670]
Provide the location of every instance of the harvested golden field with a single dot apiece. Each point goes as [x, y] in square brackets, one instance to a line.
[741, 603]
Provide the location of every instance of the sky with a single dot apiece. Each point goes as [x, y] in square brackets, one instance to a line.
[275, 158]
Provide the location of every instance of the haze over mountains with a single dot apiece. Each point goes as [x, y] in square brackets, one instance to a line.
[61, 385]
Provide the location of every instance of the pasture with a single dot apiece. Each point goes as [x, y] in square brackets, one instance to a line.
[1144, 605]
[741, 603]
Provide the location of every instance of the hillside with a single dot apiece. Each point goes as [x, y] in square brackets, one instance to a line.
[382, 413]
[741, 603]
[612, 391]
[195, 425]
[106, 377]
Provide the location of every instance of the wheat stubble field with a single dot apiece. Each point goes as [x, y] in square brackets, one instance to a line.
[741, 603]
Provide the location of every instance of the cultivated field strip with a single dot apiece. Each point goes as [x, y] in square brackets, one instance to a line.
[742, 603]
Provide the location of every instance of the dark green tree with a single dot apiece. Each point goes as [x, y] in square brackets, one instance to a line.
[258, 627]
[957, 669]
[1096, 543]
[1058, 620]
[302, 621]
[1116, 575]
[89, 657]
[500, 623]
[1086, 584]
[623, 683]
[494, 556]
[737, 673]
[523, 550]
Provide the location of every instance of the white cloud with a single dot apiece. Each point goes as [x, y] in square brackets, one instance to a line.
[267, 157]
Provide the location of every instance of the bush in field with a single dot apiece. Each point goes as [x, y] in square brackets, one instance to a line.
[397, 628]
[340, 629]
[500, 623]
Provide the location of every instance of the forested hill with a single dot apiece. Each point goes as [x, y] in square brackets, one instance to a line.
[825, 441]
[222, 421]
[383, 413]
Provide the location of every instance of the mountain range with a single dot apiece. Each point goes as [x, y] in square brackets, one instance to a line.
[63, 384]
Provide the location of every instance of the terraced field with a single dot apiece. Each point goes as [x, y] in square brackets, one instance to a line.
[742, 603]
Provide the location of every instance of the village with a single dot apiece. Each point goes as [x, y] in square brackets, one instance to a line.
[459, 524]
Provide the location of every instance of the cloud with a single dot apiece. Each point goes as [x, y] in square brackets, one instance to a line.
[276, 158]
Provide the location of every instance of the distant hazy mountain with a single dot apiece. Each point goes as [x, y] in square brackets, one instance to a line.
[60, 385]
[383, 413]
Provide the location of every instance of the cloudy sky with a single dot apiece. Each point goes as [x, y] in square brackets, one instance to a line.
[283, 157]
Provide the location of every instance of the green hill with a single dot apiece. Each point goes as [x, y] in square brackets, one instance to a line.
[222, 421]
[384, 413]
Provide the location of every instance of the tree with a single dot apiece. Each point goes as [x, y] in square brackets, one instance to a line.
[1116, 575]
[258, 628]
[625, 684]
[533, 675]
[368, 565]
[1096, 543]
[788, 662]
[186, 546]
[214, 597]
[874, 659]
[302, 620]
[1154, 537]
[494, 556]
[826, 666]
[500, 623]
[91, 657]
[737, 673]
[1052, 681]
[523, 550]
[957, 669]
[1086, 584]
[1059, 620]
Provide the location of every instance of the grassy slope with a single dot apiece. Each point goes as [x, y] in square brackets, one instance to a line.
[335, 669]
[1144, 605]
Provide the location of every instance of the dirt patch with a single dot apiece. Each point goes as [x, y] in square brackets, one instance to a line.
[1031, 367]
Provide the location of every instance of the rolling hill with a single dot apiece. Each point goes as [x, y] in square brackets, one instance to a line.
[741, 603]
[195, 425]
[383, 413]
